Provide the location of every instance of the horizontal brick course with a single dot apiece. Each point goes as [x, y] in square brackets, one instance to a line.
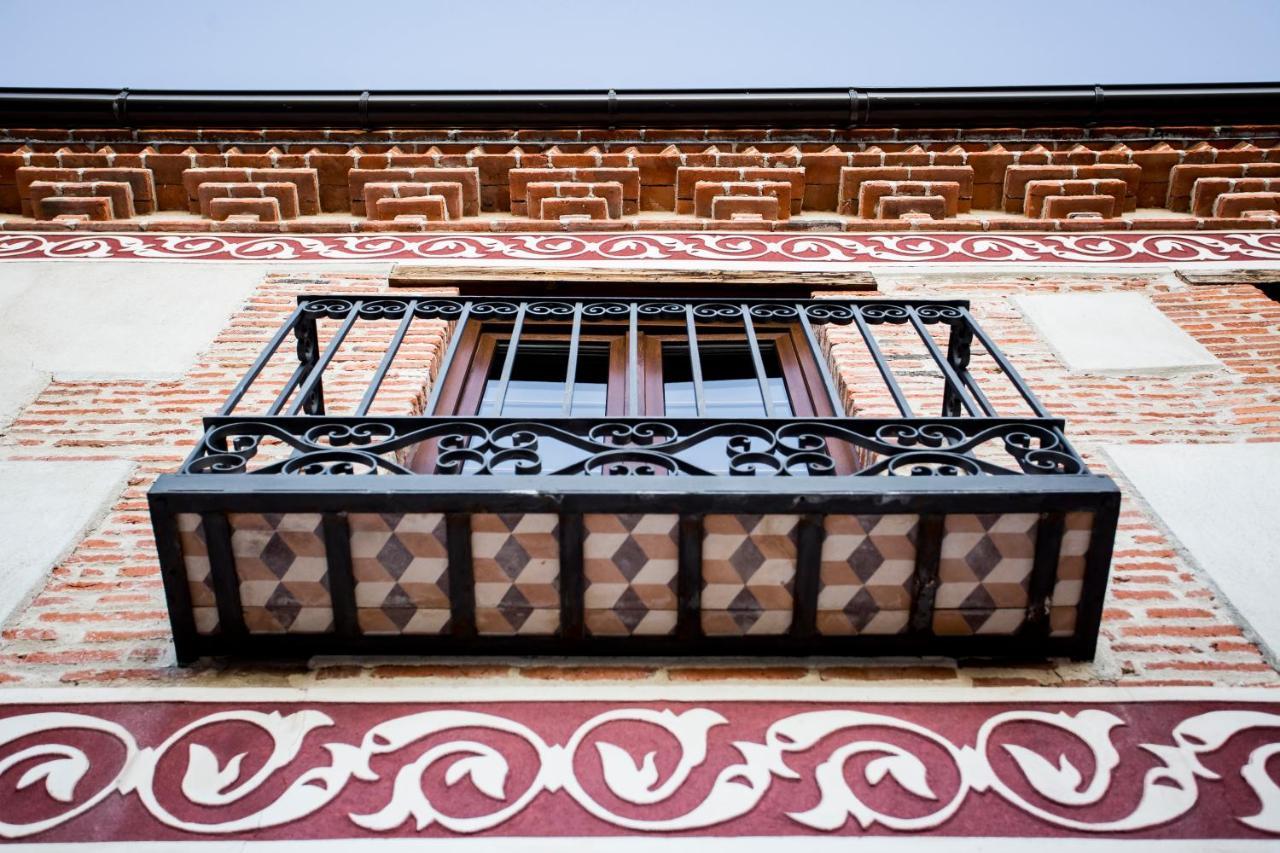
[871, 192]
[689, 177]
[729, 207]
[1183, 178]
[95, 208]
[1016, 179]
[1038, 191]
[140, 182]
[627, 177]
[537, 192]
[432, 208]
[285, 195]
[467, 177]
[265, 209]
[305, 181]
[119, 192]
[450, 191]
[853, 177]
[1078, 206]
[1239, 204]
[592, 207]
[704, 192]
[907, 206]
[1205, 191]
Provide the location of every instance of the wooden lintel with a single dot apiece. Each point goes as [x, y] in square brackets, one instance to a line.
[1229, 276]
[570, 281]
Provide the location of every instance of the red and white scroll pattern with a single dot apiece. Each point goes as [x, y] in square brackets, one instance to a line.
[1126, 248]
[347, 770]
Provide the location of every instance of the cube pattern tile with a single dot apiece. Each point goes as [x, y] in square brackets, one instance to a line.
[401, 567]
[1077, 535]
[748, 571]
[984, 573]
[866, 579]
[283, 571]
[516, 559]
[630, 563]
[195, 557]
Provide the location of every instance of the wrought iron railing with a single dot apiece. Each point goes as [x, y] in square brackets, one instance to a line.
[944, 444]
[312, 436]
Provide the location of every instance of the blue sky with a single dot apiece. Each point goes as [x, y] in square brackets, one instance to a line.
[494, 44]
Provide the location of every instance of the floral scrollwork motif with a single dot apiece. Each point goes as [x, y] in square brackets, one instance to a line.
[761, 448]
[932, 775]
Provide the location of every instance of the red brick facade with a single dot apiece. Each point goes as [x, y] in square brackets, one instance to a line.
[102, 615]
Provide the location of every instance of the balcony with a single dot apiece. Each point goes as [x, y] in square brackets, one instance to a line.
[615, 476]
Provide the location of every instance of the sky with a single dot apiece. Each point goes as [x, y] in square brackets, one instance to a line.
[629, 44]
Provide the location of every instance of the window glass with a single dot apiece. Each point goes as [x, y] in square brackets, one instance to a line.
[537, 380]
[729, 383]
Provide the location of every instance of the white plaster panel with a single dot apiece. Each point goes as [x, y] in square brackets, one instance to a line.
[1116, 333]
[45, 510]
[1220, 501]
[20, 382]
[123, 319]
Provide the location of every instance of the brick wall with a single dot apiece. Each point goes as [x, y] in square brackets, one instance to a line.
[101, 617]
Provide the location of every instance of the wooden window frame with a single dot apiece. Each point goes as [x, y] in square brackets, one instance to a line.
[469, 371]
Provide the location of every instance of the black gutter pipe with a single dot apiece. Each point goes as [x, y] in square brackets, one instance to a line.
[1047, 106]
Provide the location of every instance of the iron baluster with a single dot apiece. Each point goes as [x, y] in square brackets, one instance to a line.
[754, 345]
[833, 394]
[886, 372]
[392, 348]
[571, 371]
[954, 393]
[237, 394]
[459, 329]
[695, 362]
[500, 398]
[1008, 369]
[311, 394]
[633, 361]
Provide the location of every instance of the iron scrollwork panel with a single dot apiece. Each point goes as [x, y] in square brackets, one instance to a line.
[669, 447]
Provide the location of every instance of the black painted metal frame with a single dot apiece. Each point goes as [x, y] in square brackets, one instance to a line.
[844, 106]
[966, 459]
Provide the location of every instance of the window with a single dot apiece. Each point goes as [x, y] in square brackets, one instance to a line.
[486, 379]
[722, 371]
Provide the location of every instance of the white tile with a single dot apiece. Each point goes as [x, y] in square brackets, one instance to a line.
[45, 510]
[1221, 502]
[1116, 333]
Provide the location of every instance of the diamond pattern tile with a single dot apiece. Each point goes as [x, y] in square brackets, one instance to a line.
[195, 556]
[401, 568]
[1077, 535]
[630, 562]
[283, 571]
[866, 579]
[984, 572]
[748, 569]
[516, 559]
